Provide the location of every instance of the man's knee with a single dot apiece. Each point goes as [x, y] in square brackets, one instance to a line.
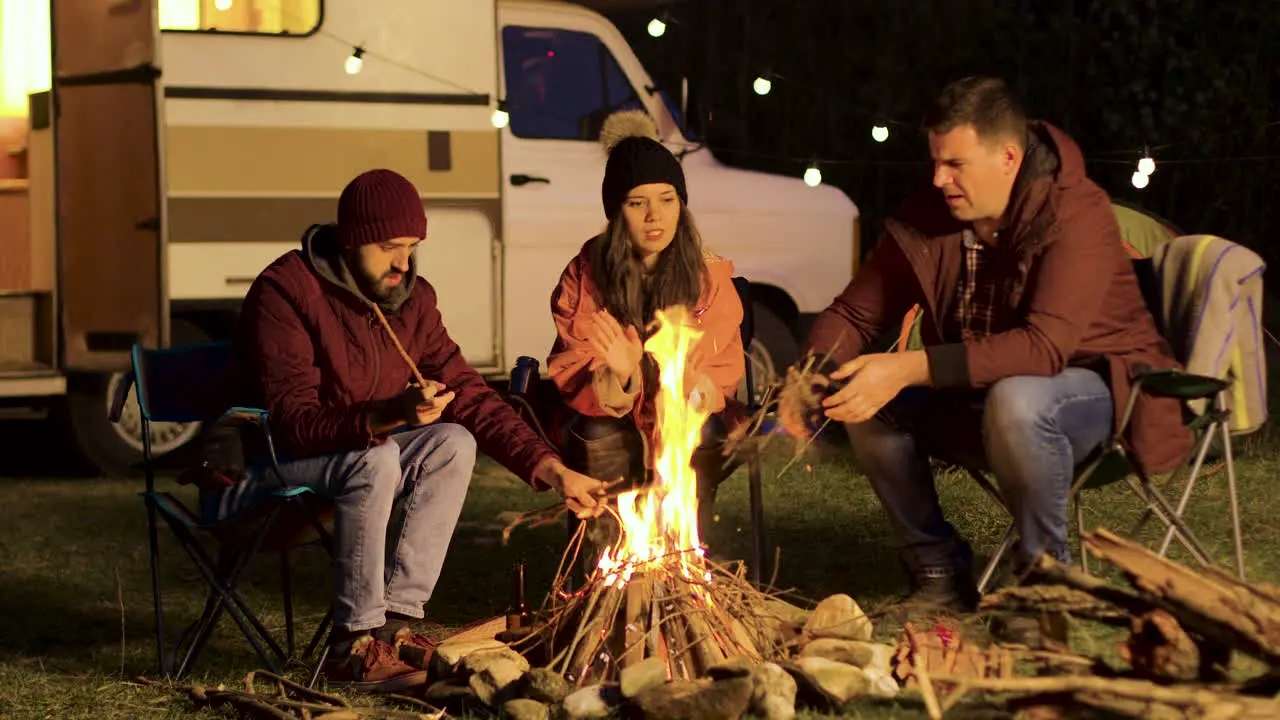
[1016, 405]
[456, 442]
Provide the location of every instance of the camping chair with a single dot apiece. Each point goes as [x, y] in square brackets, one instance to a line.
[534, 406]
[1208, 415]
[190, 384]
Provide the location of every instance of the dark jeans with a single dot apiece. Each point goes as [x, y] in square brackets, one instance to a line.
[1030, 432]
[611, 449]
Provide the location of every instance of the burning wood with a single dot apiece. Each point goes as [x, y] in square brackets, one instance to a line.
[654, 593]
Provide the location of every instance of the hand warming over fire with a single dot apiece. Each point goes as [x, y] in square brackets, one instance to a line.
[874, 380]
[584, 495]
[619, 349]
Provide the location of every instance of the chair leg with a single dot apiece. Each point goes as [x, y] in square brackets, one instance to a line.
[315, 673]
[757, 518]
[203, 630]
[316, 643]
[286, 589]
[319, 634]
[1157, 502]
[1235, 502]
[153, 540]
[1186, 492]
[994, 562]
[227, 596]
[1084, 554]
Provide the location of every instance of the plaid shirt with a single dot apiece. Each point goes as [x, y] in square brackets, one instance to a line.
[975, 312]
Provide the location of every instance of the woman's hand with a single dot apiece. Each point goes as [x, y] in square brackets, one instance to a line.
[618, 349]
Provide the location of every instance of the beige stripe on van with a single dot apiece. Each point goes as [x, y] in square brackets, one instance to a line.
[265, 160]
[266, 219]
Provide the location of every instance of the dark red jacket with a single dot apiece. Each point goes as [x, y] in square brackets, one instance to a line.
[1069, 296]
[311, 351]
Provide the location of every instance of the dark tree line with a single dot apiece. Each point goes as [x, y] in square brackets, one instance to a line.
[1192, 79]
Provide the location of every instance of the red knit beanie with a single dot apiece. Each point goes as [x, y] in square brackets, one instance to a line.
[379, 205]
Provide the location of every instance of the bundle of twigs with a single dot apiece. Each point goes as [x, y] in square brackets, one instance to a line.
[689, 611]
[801, 392]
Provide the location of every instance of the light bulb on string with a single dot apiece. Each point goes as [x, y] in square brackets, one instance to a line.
[1146, 165]
[1140, 179]
[762, 85]
[657, 27]
[355, 61]
[813, 176]
[879, 133]
[222, 5]
[500, 116]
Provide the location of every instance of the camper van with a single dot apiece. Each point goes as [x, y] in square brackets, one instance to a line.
[186, 144]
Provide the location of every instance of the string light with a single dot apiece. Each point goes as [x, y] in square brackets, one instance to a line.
[762, 85]
[813, 176]
[355, 61]
[500, 116]
[222, 5]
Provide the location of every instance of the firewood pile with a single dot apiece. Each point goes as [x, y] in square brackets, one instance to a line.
[1184, 627]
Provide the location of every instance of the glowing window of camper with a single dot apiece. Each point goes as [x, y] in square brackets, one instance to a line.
[259, 17]
[561, 84]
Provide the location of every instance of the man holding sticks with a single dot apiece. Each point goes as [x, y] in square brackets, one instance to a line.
[372, 404]
[1033, 324]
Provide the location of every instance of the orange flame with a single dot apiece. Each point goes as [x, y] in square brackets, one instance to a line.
[660, 523]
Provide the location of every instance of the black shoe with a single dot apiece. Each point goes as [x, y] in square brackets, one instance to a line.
[944, 591]
[937, 592]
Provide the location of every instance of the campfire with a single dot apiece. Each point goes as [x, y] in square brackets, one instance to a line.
[654, 593]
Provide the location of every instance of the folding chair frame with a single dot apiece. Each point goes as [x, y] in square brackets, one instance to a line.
[221, 576]
[1212, 421]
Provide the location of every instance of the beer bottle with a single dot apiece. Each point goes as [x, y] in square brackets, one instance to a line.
[518, 616]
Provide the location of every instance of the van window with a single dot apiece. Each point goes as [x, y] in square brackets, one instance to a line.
[561, 84]
[258, 17]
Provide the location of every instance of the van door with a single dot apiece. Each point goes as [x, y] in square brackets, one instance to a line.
[559, 83]
[109, 207]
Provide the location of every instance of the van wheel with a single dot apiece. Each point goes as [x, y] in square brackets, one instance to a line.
[773, 349]
[116, 448]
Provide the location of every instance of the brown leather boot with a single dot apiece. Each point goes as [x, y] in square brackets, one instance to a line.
[371, 666]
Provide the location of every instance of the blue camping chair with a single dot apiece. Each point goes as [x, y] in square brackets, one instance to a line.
[191, 384]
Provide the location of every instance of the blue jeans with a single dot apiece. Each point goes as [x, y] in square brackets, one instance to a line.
[427, 469]
[1030, 432]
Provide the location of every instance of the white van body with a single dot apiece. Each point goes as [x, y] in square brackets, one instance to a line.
[258, 134]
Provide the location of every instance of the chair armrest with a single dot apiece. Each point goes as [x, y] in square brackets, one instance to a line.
[258, 418]
[1181, 385]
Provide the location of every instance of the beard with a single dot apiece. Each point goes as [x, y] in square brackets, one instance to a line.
[378, 288]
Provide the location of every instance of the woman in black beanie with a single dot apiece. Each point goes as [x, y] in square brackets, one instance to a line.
[649, 257]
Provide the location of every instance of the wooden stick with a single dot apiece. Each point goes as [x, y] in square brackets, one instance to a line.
[639, 596]
[919, 661]
[413, 367]
[1212, 605]
[1195, 697]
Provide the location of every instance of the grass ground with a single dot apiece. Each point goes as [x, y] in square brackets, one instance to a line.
[75, 599]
